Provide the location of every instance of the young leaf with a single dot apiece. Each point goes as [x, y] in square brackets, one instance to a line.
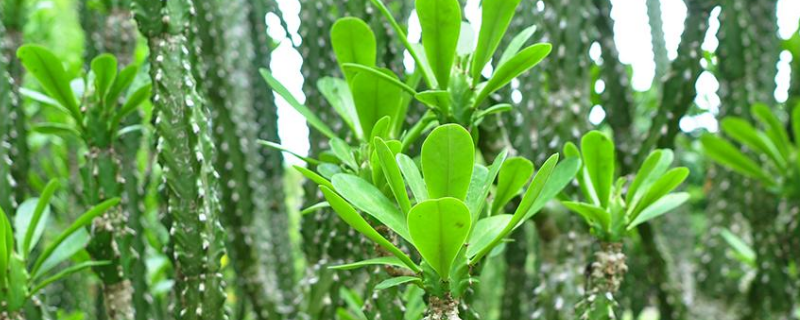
[485, 231]
[447, 158]
[392, 172]
[374, 98]
[82, 221]
[475, 197]
[440, 21]
[498, 108]
[413, 177]
[514, 174]
[338, 94]
[389, 77]
[724, 153]
[774, 128]
[561, 177]
[353, 42]
[310, 116]
[476, 206]
[598, 159]
[743, 251]
[44, 65]
[516, 44]
[6, 247]
[437, 99]
[313, 176]
[741, 131]
[34, 229]
[66, 272]
[653, 167]
[279, 147]
[664, 185]
[520, 63]
[104, 67]
[315, 207]
[439, 228]
[590, 213]
[661, 206]
[381, 128]
[369, 199]
[132, 103]
[495, 17]
[386, 261]
[352, 218]
[72, 245]
[396, 281]
[121, 83]
[343, 152]
[56, 129]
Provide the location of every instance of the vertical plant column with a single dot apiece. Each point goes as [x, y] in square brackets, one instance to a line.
[7, 201]
[221, 41]
[185, 151]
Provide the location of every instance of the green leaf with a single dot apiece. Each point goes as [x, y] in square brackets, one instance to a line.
[562, 175]
[338, 94]
[66, 272]
[381, 128]
[396, 281]
[437, 99]
[448, 155]
[389, 77]
[104, 68]
[374, 98]
[743, 251]
[310, 116]
[741, 131]
[774, 128]
[466, 40]
[313, 176]
[133, 102]
[35, 223]
[514, 174]
[47, 68]
[392, 172]
[477, 203]
[796, 124]
[495, 16]
[56, 129]
[6, 247]
[353, 42]
[387, 261]
[598, 159]
[654, 166]
[661, 206]
[344, 153]
[439, 228]
[724, 153]
[475, 198]
[279, 147]
[352, 218]
[413, 177]
[498, 108]
[516, 44]
[591, 213]
[328, 170]
[121, 83]
[369, 199]
[315, 207]
[82, 221]
[440, 21]
[71, 245]
[520, 63]
[664, 185]
[486, 230]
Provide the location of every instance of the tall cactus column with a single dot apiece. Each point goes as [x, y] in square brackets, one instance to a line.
[185, 151]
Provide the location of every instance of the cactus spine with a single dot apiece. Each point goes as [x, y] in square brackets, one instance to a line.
[186, 153]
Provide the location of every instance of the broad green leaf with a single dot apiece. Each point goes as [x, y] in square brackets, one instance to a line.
[661, 187]
[477, 203]
[436, 99]
[389, 77]
[774, 128]
[486, 230]
[514, 174]
[516, 44]
[56, 129]
[656, 163]
[475, 197]
[440, 21]
[66, 272]
[104, 68]
[495, 18]
[740, 130]
[42, 98]
[328, 170]
[22, 222]
[381, 128]
[133, 102]
[387, 261]
[590, 213]
[661, 206]
[313, 176]
[352, 218]
[353, 42]
[36, 222]
[743, 251]
[447, 158]
[374, 99]
[724, 153]
[310, 116]
[392, 172]
[85, 219]
[439, 228]
[413, 177]
[279, 147]
[121, 83]
[338, 94]
[598, 159]
[344, 153]
[47, 68]
[562, 175]
[369, 199]
[519, 64]
[396, 281]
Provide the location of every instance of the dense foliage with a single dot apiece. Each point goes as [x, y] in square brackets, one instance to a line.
[455, 177]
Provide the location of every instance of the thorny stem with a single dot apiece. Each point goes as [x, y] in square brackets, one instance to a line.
[442, 308]
[603, 279]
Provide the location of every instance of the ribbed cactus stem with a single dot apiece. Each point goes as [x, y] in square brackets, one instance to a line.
[13, 17]
[603, 279]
